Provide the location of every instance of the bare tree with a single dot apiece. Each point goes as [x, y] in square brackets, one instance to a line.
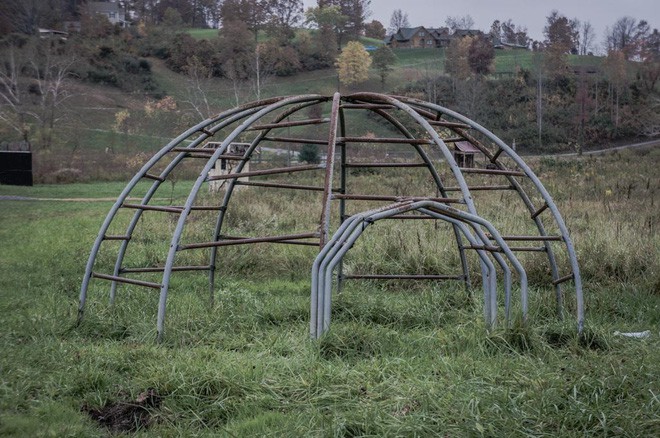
[34, 85]
[197, 87]
[399, 20]
[627, 35]
[617, 76]
[12, 105]
[464, 22]
[587, 38]
[283, 17]
[262, 66]
[514, 34]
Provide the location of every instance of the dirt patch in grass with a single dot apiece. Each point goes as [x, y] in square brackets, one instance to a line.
[127, 416]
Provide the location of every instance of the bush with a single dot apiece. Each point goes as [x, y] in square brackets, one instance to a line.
[309, 154]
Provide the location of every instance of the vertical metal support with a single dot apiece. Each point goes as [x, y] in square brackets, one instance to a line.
[329, 168]
[342, 190]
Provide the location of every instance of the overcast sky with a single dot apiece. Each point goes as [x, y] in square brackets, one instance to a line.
[529, 13]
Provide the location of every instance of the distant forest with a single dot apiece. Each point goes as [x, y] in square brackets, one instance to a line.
[559, 101]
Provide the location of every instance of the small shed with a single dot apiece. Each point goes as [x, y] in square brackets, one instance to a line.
[464, 153]
[227, 161]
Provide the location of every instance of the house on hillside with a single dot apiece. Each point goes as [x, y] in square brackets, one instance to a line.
[421, 37]
[411, 37]
[499, 43]
[442, 36]
[112, 10]
[462, 33]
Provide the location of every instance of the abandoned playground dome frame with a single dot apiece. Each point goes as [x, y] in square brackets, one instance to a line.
[425, 127]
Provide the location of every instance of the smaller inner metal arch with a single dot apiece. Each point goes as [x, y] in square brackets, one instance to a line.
[349, 232]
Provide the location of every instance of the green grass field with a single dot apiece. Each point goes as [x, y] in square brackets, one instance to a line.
[400, 359]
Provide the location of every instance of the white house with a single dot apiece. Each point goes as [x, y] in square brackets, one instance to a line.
[112, 10]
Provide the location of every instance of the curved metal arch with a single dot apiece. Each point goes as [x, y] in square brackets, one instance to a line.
[343, 240]
[548, 201]
[439, 142]
[221, 122]
[351, 230]
[232, 184]
[526, 201]
[178, 231]
[536, 182]
[131, 185]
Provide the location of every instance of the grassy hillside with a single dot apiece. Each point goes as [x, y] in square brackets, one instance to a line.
[91, 112]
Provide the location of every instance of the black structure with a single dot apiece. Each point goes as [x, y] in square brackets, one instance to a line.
[16, 168]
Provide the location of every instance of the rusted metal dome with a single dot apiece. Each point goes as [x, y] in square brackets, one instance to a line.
[435, 139]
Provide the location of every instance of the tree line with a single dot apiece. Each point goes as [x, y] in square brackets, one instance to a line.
[556, 103]
[260, 39]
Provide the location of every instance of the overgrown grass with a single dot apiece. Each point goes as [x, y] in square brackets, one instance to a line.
[401, 359]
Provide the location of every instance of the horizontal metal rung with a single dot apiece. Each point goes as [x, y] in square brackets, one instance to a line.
[153, 177]
[489, 248]
[206, 151]
[367, 106]
[396, 198]
[529, 238]
[296, 140]
[453, 139]
[528, 248]
[208, 207]
[563, 279]
[273, 171]
[233, 157]
[288, 124]
[492, 171]
[299, 242]
[410, 216]
[383, 140]
[162, 269]
[246, 240]
[494, 248]
[402, 277]
[539, 211]
[425, 113]
[449, 124]
[207, 132]
[280, 185]
[154, 208]
[126, 280]
[481, 188]
[115, 237]
[350, 165]
[496, 155]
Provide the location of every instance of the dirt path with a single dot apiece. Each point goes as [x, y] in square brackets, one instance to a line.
[602, 151]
